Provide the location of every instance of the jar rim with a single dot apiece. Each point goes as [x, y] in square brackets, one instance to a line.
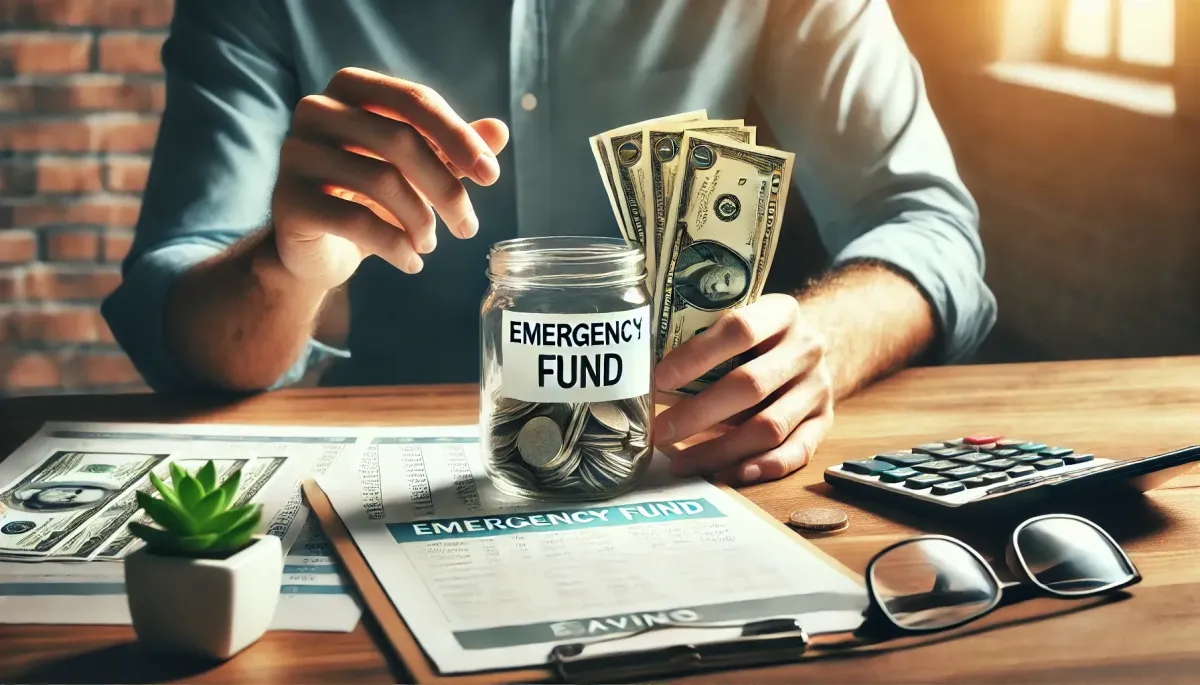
[565, 260]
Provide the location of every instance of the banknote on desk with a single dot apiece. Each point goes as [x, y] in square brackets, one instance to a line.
[720, 237]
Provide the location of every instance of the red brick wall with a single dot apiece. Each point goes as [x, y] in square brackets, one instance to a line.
[80, 96]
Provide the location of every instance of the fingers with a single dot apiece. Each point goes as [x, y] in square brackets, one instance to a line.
[734, 333]
[325, 120]
[767, 430]
[793, 454]
[426, 111]
[735, 392]
[377, 181]
[316, 213]
[493, 132]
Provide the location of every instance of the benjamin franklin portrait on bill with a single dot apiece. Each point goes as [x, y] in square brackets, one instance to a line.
[58, 496]
[710, 276]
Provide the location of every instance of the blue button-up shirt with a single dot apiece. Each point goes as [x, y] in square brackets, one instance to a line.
[833, 79]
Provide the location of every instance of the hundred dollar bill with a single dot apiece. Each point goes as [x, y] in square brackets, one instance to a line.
[720, 237]
[661, 164]
[100, 528]
[255, 475]
[603, 152]
[630, 157]
[60, 495]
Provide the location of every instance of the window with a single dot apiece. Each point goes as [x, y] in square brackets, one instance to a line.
[1131, 37]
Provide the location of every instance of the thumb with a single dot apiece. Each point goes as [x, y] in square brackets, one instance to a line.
[493, 132]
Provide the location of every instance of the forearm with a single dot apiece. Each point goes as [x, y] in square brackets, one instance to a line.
[238, 321]
[874, 322]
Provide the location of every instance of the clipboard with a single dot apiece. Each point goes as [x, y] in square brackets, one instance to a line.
[772, 641]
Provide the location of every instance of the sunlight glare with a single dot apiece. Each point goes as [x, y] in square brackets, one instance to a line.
[1087, 28]
[1148, 32]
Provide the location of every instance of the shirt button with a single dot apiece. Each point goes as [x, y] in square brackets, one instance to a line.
[528, 102]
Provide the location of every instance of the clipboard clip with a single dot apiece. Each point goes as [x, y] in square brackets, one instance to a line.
[760, 643]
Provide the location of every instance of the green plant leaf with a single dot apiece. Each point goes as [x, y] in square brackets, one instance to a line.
[170, 516]
[158, 540]
[189, 492]
[230, 486]
[197, 543]
[239, 534]
[230, 519]
[212, 504]
[165, 490]
[177, 475]
[207, 477]
[163, 542]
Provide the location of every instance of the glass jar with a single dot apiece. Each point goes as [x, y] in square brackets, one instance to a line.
[566, 395]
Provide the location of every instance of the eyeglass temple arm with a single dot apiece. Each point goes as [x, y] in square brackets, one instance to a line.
[936, 599]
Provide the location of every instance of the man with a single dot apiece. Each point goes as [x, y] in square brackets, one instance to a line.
[312, 146]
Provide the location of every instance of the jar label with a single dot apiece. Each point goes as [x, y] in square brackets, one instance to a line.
[575, 357]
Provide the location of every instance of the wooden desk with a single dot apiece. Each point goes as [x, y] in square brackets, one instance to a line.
[1113, 408]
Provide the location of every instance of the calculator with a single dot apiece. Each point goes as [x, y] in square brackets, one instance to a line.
[984, 472]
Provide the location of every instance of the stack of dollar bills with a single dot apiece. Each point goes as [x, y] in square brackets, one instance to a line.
[703, 201]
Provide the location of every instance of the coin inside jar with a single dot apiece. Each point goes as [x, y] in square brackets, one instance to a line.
[610, 416]
[539, 441]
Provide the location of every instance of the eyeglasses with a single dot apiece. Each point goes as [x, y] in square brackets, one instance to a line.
[935, 582]
[920, 585]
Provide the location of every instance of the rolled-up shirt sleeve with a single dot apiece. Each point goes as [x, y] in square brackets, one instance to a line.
[839, 87]
[230, 94]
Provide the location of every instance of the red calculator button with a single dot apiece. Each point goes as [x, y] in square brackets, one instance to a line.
[980, 439]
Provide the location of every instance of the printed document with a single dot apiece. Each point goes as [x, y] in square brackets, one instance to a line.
[68, 494]
[486, 581]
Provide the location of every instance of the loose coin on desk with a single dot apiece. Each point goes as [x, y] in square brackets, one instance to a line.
[820, 519]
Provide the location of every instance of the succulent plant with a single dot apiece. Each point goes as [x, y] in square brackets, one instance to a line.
[195, 514]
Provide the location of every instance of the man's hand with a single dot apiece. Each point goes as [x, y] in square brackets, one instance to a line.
[780, 402]
[365, 166]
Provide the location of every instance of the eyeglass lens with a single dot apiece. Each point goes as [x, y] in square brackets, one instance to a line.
[931, 584]
[1070, 557]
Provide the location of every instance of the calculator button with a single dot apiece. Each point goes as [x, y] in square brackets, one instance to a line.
[903, 458]
[999, 464]
[974, 458]
[1077, 458]
[964, 472]
[951, 452]
[867, 467]
[1056, 452]
[1031, 447]
[1020, 470]
[985, 447]
[1047, 464]
[1003, 452]
[980, 439]
[929, 447]
[923, 481]
[1028, 458]
[1009, 442]
[975, 482]
[898, 475]
[937, 466]
[954, 443]
[994, 477]
[948, 488]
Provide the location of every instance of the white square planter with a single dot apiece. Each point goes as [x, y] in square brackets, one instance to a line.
[205, 607]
